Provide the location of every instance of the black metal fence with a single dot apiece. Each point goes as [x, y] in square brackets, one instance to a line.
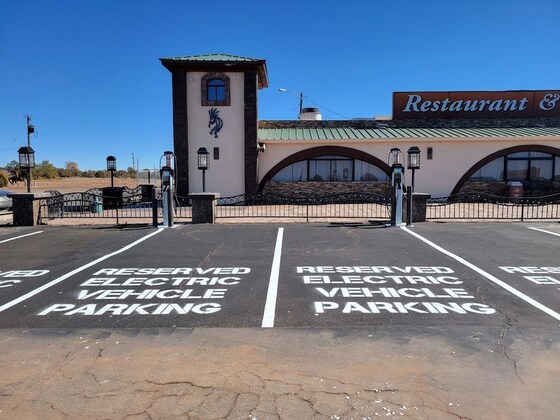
[102, 203]
[145, 204]
[491, 207]
[333, 207]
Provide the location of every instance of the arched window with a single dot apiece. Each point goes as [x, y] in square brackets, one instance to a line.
[330, 168]
[215, 90]
[520, 166]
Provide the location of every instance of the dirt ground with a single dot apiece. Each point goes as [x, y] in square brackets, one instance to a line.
[214, 373]
[68, 185]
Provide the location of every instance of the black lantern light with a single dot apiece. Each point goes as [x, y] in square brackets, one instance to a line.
[27, 162]
[203, 164]
[413, 161]
[414, 158]
[26, 157]
[111, 166]
[203, 161]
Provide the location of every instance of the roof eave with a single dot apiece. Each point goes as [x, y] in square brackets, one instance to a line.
[173, 64]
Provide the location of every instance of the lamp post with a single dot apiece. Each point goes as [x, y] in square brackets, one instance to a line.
[413, 161]
[111, 166]
[27, 161]
[203, 164]
[300, 96]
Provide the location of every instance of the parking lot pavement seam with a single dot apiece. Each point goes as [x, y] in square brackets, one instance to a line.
[504, 348]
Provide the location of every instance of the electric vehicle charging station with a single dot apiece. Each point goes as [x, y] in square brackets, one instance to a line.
[397, 186]
[167, 184]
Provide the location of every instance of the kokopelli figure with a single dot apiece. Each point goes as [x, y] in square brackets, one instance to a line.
[216, 121]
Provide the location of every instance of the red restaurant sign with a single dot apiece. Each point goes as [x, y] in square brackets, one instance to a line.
[459, 105]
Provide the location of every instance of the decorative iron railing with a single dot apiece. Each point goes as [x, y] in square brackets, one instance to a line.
[117, 203]
[333, 207]
[138, 203]
[491, 207]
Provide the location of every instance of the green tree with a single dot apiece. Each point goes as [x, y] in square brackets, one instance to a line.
[45, 170]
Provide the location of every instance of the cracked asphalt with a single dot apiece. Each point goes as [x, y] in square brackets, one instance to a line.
[366, 322]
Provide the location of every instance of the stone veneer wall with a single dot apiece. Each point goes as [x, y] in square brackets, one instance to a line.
[492, 188]
[325, 188]
[535, 189]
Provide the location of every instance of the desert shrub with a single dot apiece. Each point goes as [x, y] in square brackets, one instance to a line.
[3, 179]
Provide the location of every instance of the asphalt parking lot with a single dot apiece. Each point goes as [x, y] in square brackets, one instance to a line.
[300, 293]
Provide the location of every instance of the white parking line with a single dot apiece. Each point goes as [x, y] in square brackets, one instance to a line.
[77, 270]
[545, 231]
[489, 276]
[270, 305]
[21, 236]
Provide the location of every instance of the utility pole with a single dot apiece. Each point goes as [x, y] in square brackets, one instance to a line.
[133, 163]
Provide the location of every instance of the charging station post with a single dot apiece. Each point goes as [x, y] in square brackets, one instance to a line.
[397, 186]
[166, 172]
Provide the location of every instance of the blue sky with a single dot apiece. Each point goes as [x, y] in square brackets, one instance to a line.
[88, 71]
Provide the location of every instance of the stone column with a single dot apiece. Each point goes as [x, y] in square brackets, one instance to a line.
[419, 207]
[26, 208]
[204, 207]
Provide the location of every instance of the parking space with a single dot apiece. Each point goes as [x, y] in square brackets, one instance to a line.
[189, 276]
[297, 275]
[33, 257]
[524, 257]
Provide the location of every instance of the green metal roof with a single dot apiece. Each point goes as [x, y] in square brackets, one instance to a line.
[203, 61]
[351, 133]
[215, 58]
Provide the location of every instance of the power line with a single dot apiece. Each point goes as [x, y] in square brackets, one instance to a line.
[324, 107]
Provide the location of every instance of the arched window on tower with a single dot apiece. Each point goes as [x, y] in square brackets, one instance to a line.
[215, 90]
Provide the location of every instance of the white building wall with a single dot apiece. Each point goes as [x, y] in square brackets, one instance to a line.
[226, 175]
[452, 157]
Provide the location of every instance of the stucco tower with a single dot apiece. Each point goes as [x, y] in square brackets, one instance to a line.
[215, 107]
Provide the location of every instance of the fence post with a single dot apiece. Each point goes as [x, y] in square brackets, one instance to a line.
[154, 209]
[522, 208]
[408, 205]
[393, 207]
[307, 209]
